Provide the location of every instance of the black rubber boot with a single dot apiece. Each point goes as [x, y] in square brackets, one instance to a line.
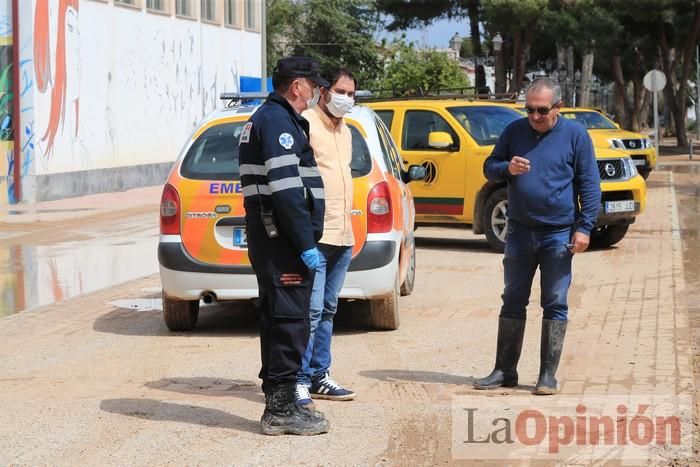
[508, 347]
[553, 332]
[282, 415]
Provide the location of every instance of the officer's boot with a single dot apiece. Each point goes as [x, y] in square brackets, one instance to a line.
[553, 332]
[283, 416]
[508, 347]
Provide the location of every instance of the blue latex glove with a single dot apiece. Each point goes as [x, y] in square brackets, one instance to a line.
[311, 258]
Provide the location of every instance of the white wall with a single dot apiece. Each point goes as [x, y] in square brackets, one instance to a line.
[141, 82]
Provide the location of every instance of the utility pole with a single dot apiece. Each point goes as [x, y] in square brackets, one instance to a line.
[263, 48]
[697, 93]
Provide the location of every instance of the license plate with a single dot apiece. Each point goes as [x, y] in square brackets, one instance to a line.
[619, 206]
[639, 161]
[239, 237]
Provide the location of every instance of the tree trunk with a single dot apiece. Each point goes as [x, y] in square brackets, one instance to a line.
[500, 72]
[644, 110]
[619, 90]
[586, 75]
[570, 82]
[678, 91]
[635, 123]
[514, 86]
[475, 34]
[521, 55]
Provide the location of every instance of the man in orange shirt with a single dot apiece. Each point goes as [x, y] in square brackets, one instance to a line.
[331, 141]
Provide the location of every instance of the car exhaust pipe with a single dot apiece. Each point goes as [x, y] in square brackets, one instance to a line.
[208, 298]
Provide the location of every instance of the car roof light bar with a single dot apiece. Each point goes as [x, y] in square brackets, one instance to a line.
[239, 96]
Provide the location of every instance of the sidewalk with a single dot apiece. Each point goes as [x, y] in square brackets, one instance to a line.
[70, 208]
[671, 154]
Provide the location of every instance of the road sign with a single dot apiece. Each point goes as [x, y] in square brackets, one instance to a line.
[655, 81]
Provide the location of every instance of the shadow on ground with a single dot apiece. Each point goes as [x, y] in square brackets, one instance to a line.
[454, 244]
[149, 409]
[417, 377]
[233, 318]
[210, 387]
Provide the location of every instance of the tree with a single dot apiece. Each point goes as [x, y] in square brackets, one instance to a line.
[579, 25]
[335, 32]
[409, 13]
[678, 35]
[280, 26]
[410, 70]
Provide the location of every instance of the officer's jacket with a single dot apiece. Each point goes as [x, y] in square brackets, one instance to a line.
[278, 170]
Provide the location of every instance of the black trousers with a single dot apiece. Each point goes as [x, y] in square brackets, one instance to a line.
[285, 285]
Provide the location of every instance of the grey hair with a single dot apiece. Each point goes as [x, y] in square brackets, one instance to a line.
[546, 83]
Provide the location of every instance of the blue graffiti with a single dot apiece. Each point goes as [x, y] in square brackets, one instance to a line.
[27, 136]
[10, 177]
[28, 149]
[5, 26]
[27, 81]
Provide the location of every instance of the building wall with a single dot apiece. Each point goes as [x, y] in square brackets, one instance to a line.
[110, 93]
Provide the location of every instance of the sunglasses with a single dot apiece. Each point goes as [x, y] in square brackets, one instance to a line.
[539, 110]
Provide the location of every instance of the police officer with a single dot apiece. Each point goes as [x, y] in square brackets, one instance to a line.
[284, 204]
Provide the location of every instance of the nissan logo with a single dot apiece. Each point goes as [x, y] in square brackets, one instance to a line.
[609, 169]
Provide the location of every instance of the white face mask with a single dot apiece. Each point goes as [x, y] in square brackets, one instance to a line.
[340, 104]
[311, 103]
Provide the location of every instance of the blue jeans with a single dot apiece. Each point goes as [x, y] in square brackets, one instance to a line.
[328, 282]
[526, 249]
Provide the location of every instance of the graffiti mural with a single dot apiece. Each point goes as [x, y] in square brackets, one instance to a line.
[57, 74]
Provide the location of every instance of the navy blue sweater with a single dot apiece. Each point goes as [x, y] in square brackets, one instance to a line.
[562, 187]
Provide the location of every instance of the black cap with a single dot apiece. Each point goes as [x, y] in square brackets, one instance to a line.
[300, 67]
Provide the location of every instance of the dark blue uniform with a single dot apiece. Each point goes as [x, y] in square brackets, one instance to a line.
[279, 174]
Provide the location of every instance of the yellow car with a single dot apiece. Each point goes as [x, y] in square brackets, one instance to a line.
[607, 134]
[451, 138]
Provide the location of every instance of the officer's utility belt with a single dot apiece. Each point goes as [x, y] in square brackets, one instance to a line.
[267, 216]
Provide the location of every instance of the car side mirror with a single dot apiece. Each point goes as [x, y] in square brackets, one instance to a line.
[440, 140]
[415, 172]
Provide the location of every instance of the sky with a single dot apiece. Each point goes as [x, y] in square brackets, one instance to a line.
[436, 35]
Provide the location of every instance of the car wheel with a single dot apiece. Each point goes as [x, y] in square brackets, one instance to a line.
[608, 235]
[495, 221]
[180, 315]
[409, 281]
[384, 312]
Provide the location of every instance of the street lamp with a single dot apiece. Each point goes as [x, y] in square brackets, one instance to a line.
[499, 84]
[497, 43]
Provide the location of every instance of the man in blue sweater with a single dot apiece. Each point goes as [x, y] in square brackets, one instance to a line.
[554, 195]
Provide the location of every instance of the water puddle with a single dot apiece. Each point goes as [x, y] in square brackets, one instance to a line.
[687, 186]
[17, 212]
[139, 304]
[34, 275]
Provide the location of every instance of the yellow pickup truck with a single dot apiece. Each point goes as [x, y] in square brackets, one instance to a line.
[451, 138]
[607, 134]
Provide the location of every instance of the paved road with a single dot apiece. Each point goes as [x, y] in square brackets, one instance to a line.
[98, 380]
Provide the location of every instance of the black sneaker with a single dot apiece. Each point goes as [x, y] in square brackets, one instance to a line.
[327, 388]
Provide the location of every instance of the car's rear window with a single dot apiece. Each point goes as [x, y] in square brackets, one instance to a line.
[214, 155]
[484, 123]
[361, 163]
